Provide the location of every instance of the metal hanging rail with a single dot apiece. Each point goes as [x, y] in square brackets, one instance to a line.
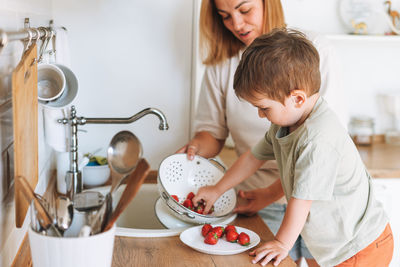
[27, 35]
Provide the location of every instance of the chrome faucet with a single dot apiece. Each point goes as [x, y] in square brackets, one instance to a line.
[74, 176]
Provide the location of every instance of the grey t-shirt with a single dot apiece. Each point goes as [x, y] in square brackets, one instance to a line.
[319, 161]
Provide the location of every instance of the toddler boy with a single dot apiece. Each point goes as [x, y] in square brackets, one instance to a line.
[329, 191]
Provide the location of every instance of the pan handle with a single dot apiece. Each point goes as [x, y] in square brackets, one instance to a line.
[166, 197]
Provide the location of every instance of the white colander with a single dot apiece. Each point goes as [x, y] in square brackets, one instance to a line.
[179, 176]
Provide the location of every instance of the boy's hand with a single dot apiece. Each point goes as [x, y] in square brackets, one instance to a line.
[269, 251]
[208, 195]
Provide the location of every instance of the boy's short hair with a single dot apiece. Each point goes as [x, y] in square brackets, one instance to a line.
[276, 64]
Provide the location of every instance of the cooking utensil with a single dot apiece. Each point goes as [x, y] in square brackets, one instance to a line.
[64, 213]
[25, 124]
[43, 216]
[35, 225]
[123, 154]
[179, 176]
[88, 200]
[135, 180]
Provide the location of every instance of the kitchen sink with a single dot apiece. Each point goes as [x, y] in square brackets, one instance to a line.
[139, 219]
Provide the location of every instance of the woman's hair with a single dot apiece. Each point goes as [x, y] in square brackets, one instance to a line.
[277, 63]
[217, 43]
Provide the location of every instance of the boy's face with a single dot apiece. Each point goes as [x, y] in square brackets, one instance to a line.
[287, 114]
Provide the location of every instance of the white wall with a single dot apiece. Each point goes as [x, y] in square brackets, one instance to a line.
[130, 55]
[370, 68]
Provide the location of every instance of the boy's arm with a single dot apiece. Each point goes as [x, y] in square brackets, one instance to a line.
[292, 224]
[243, 167]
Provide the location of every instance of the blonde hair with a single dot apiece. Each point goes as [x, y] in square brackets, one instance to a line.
[217, 43]
[276, 64]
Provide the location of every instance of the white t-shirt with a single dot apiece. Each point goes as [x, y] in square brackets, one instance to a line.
[220, 112]
[318, 161]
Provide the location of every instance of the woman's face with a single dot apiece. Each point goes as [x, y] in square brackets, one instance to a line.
[244, 18]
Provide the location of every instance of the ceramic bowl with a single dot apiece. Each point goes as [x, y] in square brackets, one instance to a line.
[95, 175]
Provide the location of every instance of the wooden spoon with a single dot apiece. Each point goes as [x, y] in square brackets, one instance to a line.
[135, 180]
[44, 218]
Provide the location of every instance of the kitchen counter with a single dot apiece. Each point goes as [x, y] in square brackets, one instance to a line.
[165, 251]
[382, 160]
[170, 251]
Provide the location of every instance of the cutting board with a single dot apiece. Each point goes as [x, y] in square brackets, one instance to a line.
[25, 121]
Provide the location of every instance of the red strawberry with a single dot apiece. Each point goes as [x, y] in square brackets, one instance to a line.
[232, 236]
[219, 230]
[211, 238]
[230, 227]
[244, 239]
[205, 229]
[200, 208]
[175, 197]
[190, 196]
[188, 204]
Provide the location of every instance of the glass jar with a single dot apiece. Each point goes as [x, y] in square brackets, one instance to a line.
[362, 130]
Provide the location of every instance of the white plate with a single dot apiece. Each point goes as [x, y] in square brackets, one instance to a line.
[166, 218]
[193, 238]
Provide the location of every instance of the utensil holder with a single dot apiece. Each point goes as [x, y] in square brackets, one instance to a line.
[92, 251]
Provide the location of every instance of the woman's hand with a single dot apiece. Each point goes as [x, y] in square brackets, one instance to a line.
[272, 250]
[254, 200]
[259, 198]
[202, 144]
[208, 195]
[189, 149]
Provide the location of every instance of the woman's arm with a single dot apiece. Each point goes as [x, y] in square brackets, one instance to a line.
[202, 144]
[243, 168]
[258, 199]
[292, 224]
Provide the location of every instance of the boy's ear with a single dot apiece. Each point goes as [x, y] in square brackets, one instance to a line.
[299, 97]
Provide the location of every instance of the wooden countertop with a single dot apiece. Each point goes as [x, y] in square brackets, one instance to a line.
[170, 251]
[382, 160]
[165, 251]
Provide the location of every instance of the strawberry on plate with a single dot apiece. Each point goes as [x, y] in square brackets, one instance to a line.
[219, 230]
[211, 244]
[244, 239]
[231, 236]
[206, 229]
[211, 238]
[230, 227]
[175, 197]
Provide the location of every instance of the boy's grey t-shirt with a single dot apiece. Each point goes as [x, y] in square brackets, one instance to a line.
[319, 161]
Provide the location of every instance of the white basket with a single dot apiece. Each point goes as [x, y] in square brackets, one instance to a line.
[179, 176]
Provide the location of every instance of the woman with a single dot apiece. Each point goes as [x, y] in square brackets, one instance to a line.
[226, 28]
